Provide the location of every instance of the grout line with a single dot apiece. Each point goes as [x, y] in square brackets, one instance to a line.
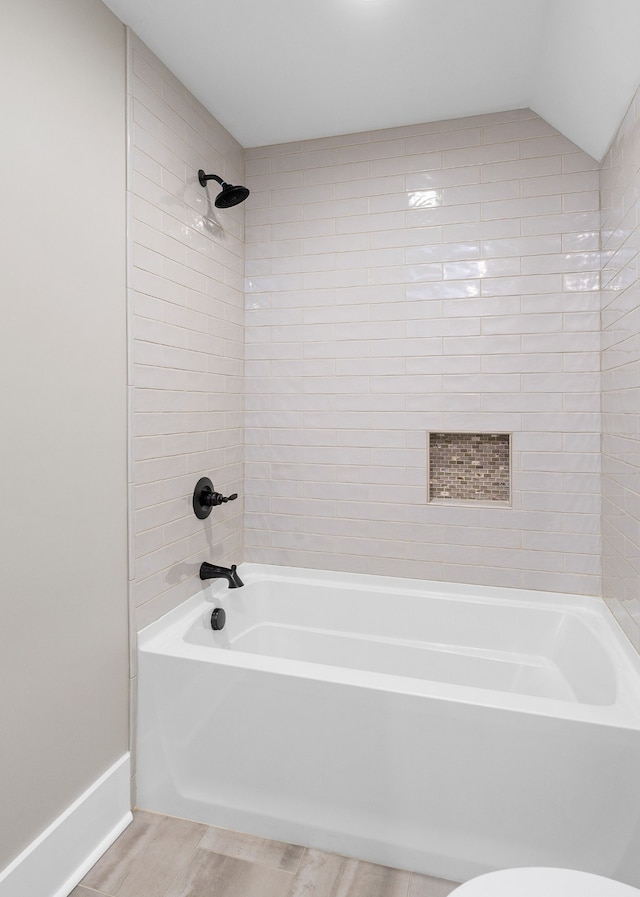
[294, 877]
[182, 868]
[305, 851]
[409, 883]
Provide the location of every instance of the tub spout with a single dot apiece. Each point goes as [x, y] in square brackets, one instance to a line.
[213, 571]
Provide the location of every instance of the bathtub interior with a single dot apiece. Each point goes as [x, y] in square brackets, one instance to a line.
[497, 640]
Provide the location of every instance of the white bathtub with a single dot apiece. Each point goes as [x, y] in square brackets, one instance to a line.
[452, 730]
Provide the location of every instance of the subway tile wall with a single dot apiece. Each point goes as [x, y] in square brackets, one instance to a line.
[439, 277]
[620, 183]
[186, 319]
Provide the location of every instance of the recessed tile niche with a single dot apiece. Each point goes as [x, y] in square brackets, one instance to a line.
[468, 467]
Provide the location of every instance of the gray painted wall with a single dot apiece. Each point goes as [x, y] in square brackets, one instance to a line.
[63, 576]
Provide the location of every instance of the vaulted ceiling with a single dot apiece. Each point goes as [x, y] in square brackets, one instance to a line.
[274, 71]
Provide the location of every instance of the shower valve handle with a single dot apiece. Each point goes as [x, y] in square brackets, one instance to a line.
[205, 497]
[211, 499]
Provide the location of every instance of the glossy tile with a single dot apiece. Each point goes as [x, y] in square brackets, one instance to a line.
[178, 264]
[620, 361]
[496, 224]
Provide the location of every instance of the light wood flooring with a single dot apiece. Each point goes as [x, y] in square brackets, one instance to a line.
[159, 856]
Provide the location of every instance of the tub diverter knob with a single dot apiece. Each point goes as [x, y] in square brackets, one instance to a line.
[218, 618]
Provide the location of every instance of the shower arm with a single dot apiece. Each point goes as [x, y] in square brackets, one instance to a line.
[203, 178]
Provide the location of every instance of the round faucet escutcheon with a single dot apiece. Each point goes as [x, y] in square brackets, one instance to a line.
[205, 498]
[218, 618]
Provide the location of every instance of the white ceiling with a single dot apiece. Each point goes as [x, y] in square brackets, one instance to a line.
[274, 71]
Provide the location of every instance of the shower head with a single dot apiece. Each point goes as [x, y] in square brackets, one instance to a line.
[229, 195]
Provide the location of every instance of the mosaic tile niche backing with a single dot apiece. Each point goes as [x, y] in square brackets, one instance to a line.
[469, 467]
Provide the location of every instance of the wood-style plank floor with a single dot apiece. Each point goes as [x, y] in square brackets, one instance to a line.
[159, 856]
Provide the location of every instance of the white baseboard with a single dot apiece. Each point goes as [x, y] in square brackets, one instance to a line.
[53, 864]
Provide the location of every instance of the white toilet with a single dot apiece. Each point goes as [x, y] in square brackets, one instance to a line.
[541, 882]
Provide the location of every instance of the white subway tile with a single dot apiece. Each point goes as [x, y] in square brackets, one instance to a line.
[482, 230]
[477, 155]
[366, 223]
[483, 193]
[567, 222]
[481, 268]
[584, 281]
[380, 149]
[436, 217]
[581, 202]
[446, 252]
[517, 130]
[576, 182]
[529, 207]
[444, 140]
[434, 179]
[570, 262]
[522, 247]
[404, 164]
[523, 168]
[547, 146]
[406, 274]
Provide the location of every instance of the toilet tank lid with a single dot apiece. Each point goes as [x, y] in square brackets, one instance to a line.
[534, 881]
